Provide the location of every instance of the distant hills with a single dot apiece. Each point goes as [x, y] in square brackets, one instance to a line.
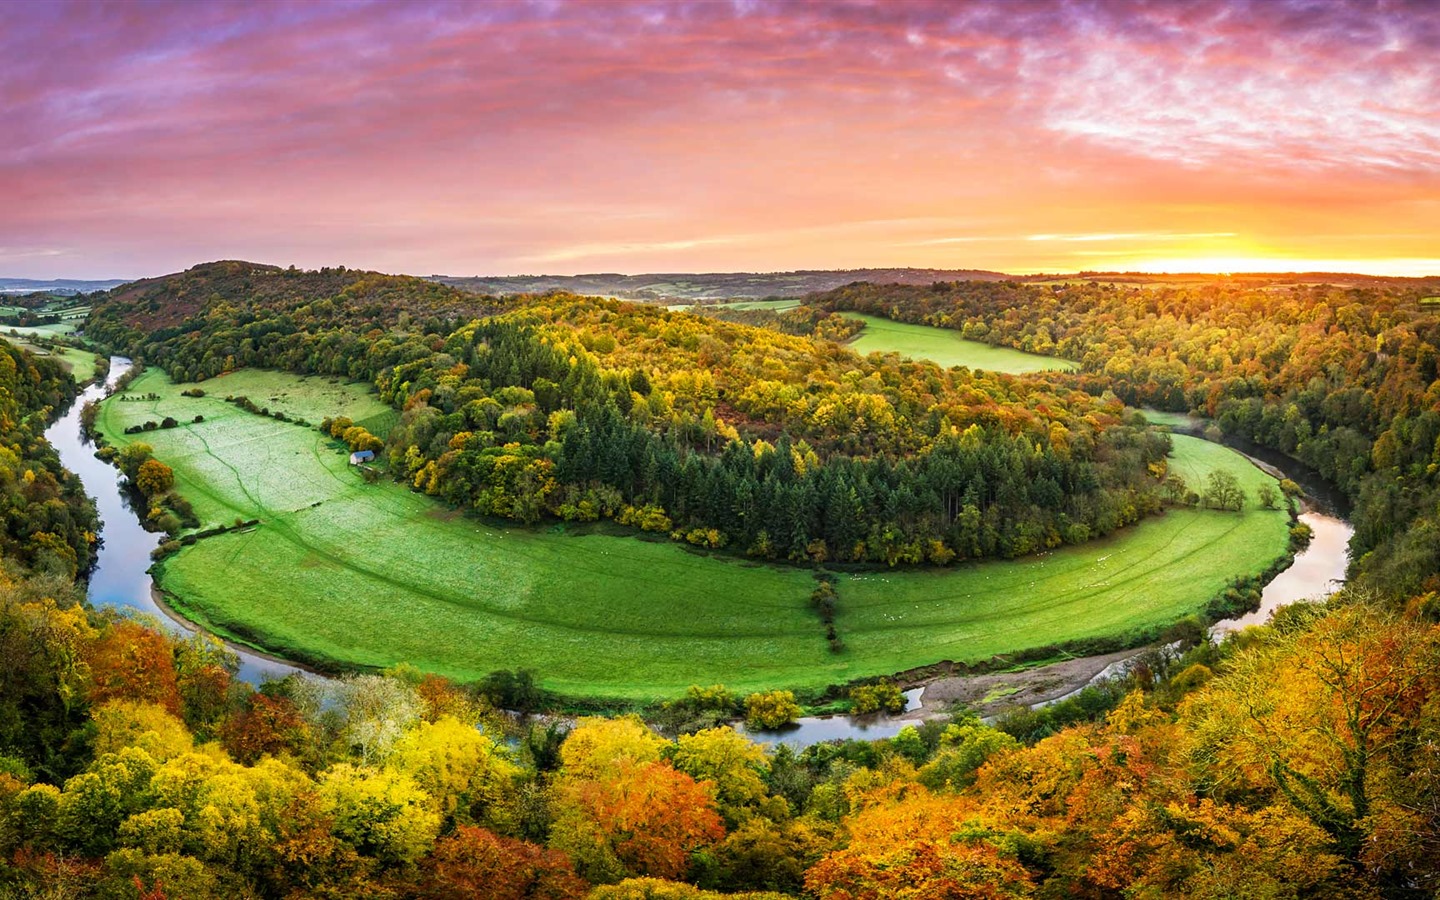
[56, 285]
[718, 286]
[715, 286]
[699, 288]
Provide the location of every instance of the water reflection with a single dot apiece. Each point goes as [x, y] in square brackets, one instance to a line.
[819, 729]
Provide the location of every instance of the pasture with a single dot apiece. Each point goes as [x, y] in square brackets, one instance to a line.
[80, 362]
[62, 328]
[772, 305]
[344, 572]
[946, 347]
[1178, 421]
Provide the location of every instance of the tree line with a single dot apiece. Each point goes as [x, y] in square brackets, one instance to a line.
[1292, 760]
[1345, 379]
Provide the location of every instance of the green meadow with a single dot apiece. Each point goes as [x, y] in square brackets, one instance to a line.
[343, 572]
[946, 347]
[1171, 419]
[60, 329]
[774, 305]
[80, 363]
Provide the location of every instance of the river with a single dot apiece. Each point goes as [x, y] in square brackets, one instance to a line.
[1317, 571]
[121, 575]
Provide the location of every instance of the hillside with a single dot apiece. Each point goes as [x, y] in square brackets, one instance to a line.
[152, 305]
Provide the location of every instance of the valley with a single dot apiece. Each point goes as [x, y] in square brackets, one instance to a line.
[945, 347]
[861, 450]
[341, 572]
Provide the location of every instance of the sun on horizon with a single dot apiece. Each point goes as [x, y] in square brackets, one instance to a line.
[562, 138]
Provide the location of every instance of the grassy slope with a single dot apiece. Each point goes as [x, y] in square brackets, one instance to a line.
[80, 363]
[1156, 572]
[946, 347]
[375, 574]
[774, 305]
[42, 330]
[1170, 419]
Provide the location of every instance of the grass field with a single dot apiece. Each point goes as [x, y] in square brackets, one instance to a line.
[946, 347]
[774, 305]
[237, 463]
[373, 574]
[80, 363]
[1171, 419]
[63, 328]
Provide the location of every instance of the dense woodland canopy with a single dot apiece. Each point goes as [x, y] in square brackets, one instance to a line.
[1342, 378]
[1296, 760]
[774, 445]
[46, 522]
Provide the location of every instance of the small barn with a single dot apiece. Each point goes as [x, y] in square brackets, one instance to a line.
[360, 457]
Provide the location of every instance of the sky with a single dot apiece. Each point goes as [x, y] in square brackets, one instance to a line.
[139, 138]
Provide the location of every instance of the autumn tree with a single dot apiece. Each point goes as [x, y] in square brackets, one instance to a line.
[132, 456]
[154, 478]
[44, 678]
[266, 725]
[467, 776]
[883, 696]
[148, 726]
[381, 813]
[660, 889]
[733, 764]
[1323, 715]
[637, 818]
[771, 709]
[474, 862]
[95, 802]
[132, 662]
[922, 846]
[595, 747]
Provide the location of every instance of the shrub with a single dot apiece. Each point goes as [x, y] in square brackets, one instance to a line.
[770, 709]
[869, 698]
[699, 709]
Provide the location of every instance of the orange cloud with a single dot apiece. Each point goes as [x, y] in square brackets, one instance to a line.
[510, 137]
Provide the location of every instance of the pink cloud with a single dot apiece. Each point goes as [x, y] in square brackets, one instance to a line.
[497, 136]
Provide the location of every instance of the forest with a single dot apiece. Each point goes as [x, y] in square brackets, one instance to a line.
[1297, 759]
[1343, 379]
[722, 435]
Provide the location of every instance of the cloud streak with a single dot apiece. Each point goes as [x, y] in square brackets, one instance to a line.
[473, 137]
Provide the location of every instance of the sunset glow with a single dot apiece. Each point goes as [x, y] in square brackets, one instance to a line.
[578, 137]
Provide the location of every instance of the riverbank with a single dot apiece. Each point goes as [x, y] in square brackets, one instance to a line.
[123, 579]
[254, 662]
[993, 692]
[120, 577]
